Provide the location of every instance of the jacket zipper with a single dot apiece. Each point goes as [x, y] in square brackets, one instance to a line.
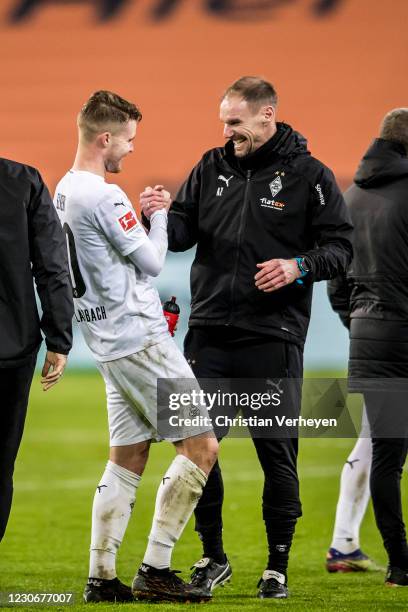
[240, 228]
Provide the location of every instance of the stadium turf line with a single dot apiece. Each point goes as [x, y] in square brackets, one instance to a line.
[62, 456]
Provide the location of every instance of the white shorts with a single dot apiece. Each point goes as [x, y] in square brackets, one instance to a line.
[131, 392]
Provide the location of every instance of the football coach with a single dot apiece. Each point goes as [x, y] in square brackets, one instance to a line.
[32, 247]
[268, 220]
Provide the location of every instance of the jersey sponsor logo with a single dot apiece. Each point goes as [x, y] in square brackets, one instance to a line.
[119, 204]
[60, 202]
[128, 221]
[272, 204]
[87, 315]
[321, 196]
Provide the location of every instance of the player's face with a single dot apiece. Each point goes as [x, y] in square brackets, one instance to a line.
[247, 128]
[120, 145]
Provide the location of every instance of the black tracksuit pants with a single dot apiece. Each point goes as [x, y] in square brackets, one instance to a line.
[14, 391]
[388, 417]
[223, 352]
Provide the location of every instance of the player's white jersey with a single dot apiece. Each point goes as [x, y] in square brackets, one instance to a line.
[117, 308]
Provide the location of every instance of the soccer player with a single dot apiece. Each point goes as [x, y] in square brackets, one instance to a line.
[345, 554]
[121, 317]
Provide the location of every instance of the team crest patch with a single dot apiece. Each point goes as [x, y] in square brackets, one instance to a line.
[128, 221]
[275, 186]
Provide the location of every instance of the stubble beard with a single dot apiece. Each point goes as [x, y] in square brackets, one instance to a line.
[248, 145]
[113, 166]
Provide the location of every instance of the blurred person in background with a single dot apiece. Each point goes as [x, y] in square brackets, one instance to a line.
[345, 554]
[372, 301]
[268, 220]
[121, 318]
[32, 247]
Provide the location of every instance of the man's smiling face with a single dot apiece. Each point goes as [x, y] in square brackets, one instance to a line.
[247, 125]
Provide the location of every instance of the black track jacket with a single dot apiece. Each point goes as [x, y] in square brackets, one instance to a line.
[372, 299]
[278, 202]
[376, 284]
[31, 244]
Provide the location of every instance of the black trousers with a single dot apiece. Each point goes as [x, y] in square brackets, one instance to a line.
[14, 391]
[387, 413]
[225, 353]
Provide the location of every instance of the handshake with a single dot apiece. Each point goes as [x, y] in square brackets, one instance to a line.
[153, 199]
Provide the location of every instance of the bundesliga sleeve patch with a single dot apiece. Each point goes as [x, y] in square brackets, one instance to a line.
[128, 221]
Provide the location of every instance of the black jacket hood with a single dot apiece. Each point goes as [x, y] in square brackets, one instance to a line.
[285, 143]
[384, 162]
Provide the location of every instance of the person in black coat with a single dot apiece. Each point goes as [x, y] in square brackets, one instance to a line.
[372, 301]
[268, 220]
[32, 244]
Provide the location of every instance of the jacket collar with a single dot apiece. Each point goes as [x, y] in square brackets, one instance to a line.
[384, 162]
[285, 143]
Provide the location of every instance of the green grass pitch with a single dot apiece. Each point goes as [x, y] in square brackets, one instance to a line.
[62, 456]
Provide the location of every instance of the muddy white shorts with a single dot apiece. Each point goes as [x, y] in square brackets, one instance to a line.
[131, 391]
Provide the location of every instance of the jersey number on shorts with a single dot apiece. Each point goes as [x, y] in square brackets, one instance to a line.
[78, 284]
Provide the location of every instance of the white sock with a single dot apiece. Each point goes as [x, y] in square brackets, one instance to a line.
[113, 504]
[354, 496]
[177, 496]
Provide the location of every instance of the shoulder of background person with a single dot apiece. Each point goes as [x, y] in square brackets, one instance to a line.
[16, 171]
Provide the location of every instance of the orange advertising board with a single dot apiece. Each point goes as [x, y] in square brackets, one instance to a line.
[338, 66]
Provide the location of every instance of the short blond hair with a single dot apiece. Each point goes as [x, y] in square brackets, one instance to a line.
[395, 127]
[255, 90]
[105, 111]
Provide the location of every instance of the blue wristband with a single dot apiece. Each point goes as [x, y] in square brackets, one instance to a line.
[303, 272]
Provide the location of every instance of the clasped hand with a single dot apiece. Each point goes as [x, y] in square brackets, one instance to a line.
[275, 274]
[153, 199]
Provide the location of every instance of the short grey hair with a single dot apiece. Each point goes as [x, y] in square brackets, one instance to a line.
[395, 127]
[255, 90]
